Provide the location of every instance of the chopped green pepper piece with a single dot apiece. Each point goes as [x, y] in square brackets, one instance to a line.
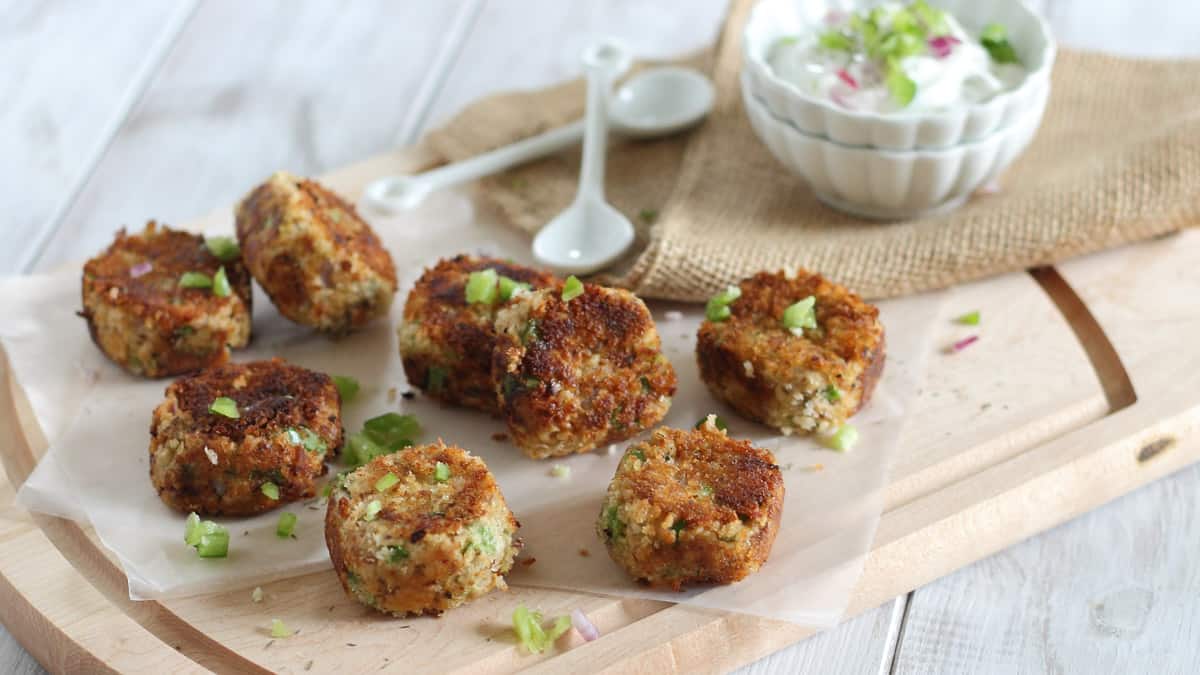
[572, 288]
[800, 315]
[481, 287]
[224, 249]
[441, 472]
[271, 490]
[220, 284]
[386, 481]
[195, 280]
[844, 438]
[223, 405]
[286, 525]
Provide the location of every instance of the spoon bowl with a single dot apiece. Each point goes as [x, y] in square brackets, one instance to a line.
[661, 101]
[587, 237]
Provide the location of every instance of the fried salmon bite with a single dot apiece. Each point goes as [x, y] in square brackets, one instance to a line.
[798, 353]
[578, 366]
[243, 438]
[319, 262]
[420, 531]
[152, 306]
[691, 507]
[446, 341]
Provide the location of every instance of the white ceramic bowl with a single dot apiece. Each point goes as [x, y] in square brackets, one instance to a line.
[773, 19]
[892, 184]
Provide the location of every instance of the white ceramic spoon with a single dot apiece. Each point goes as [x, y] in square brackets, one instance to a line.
[655, 102]
[590, 234]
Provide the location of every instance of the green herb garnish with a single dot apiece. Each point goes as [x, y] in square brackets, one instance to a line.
[392, 430]
[528, 627]
[286, 525]
[994, 39]
[279, 630]
[347, 387]
[572, 288]
[648, 216]
[613, 524]
[481, 287]
[223, 405]
[717, 308]
[386, 481]
[223, 248]
[843, 439]
[441, 472]
[396, 553]
[195, 280]
[833, 394]
[969, 319]
[220, 284]
[208, 538]
[801, 315]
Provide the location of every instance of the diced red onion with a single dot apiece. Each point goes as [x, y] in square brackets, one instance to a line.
[965, 342]
[942, 45]
[140, 269]
[846, 77]
[587, 629]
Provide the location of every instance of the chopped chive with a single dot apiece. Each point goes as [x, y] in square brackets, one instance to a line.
[843, 439]
[969, 319]
[373, 508]
[441, 472]
[396, 553]
[286, 525]
[994, 39]
[195, 280]
[208, 538]
[509, 286]
[800, 315]
[648, 216]
[223, 405]
[220, 284]
[717, 422]
[833, 394]
[280, 630]
[386, 481]
[347, 387]
[481, 287]
[572, 288]
[223, 248]
[717, 308]
[271, 491]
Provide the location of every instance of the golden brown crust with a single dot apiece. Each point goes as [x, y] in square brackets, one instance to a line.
[148, 323]
[692, 507]
[771, 375]
[289, 421]
[431, 543]
[574, 375]
[442, 332]
[321, 264]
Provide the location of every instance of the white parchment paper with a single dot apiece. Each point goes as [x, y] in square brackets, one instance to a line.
[97, 420]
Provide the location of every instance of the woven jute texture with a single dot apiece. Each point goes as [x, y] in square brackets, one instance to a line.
[1117, 160]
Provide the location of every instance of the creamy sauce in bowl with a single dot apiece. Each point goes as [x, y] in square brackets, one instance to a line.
[898, 58]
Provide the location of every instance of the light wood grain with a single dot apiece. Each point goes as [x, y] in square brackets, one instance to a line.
[250, 88]
[66, 87]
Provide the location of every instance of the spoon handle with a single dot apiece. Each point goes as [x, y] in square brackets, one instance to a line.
[595, 133]
[397, 193]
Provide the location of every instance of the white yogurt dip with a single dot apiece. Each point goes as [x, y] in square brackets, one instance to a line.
[898, 57]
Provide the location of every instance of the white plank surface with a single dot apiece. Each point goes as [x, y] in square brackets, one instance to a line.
[177, 122]
[66, 87]
[249, 88]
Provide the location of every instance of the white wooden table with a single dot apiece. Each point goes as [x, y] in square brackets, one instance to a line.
[111, 113]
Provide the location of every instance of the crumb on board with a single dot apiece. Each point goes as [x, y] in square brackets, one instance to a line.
[673, 315]
[500, 437]
[391, 396]
[813, 468]
[583, 553]
[528, 561]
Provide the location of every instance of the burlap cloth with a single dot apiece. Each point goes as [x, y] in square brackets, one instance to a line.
[1117, 160]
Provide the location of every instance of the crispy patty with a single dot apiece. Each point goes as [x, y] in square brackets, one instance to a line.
[319, 262]
[289, 421]
[445, 343]
[808, 382]
[434, 535]
[691, 507]
[574, 375]
[145, 322]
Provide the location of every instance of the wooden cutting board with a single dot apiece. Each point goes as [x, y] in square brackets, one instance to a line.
[1084, 385]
